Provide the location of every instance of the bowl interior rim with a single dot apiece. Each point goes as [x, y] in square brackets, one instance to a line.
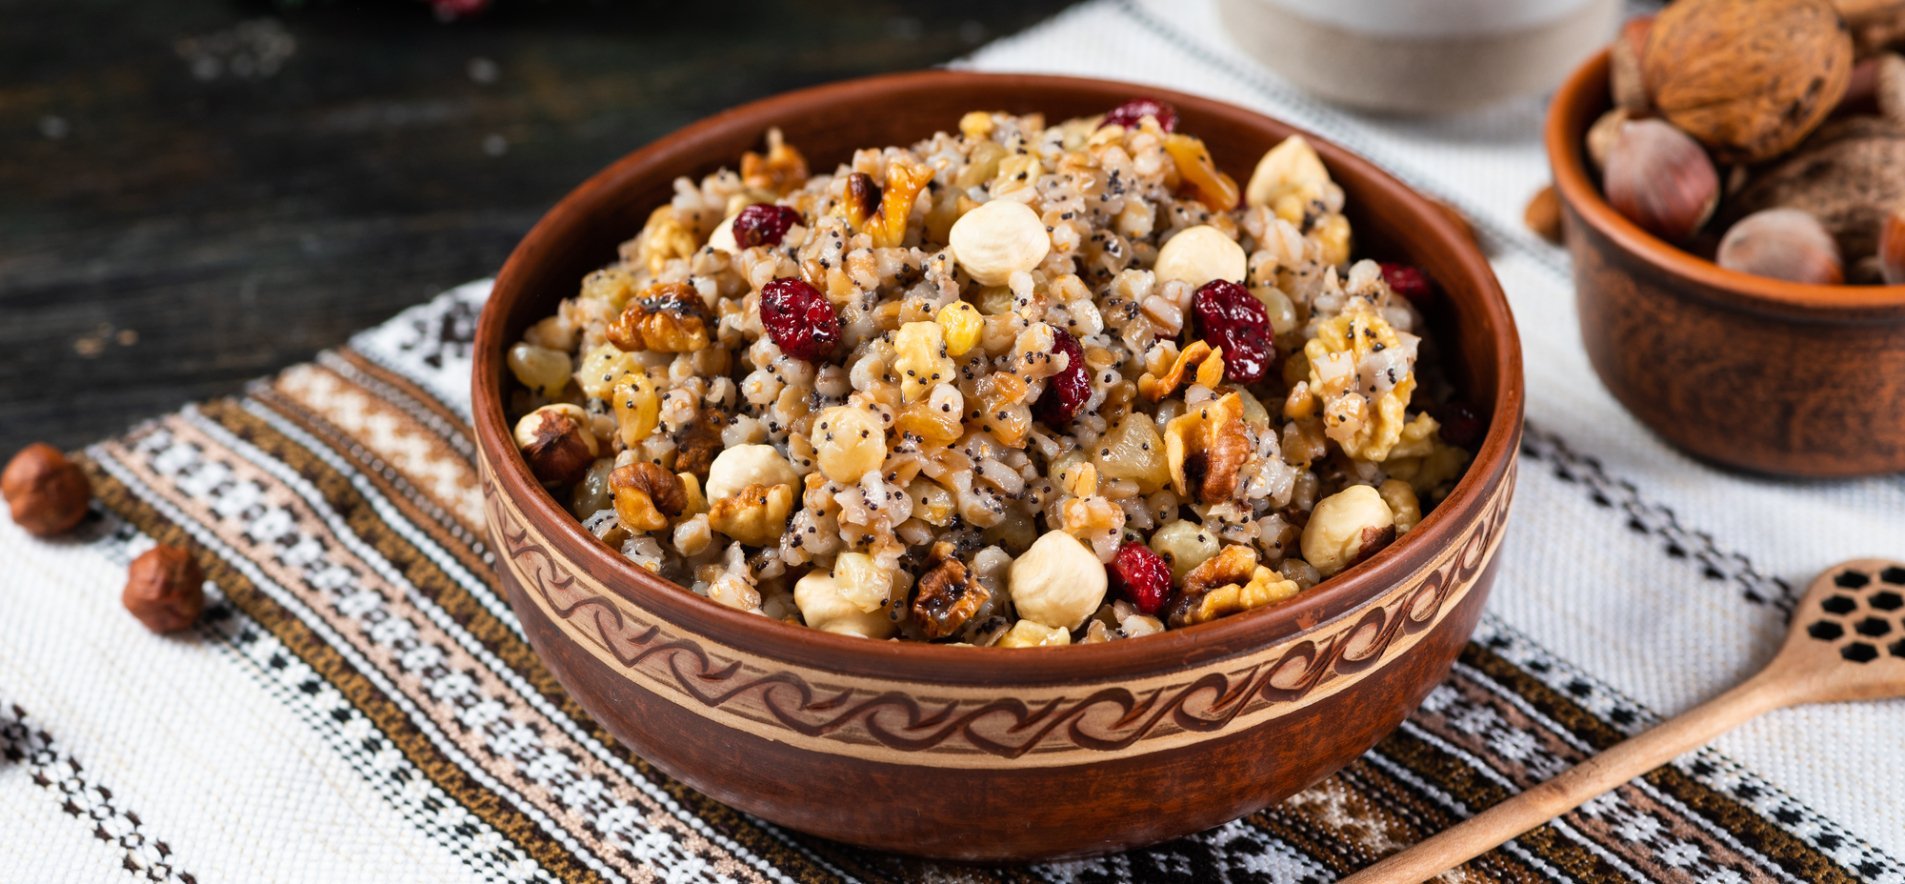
[1575, 106]
[927, 662]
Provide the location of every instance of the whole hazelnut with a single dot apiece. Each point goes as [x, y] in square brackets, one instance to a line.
[1624, 78]
[47, 493]
[165, 589]
[557, 443]
[1602, 135]
[1888, 88]
[1661, 179]
[1748, 80]
[1347, 527]
[1892, 247]
[1543, 214]
[1782, 244]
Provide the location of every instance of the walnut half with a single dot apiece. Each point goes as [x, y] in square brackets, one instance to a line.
[948, 595]
[1206, 449]
[668, 317]
[646, 496]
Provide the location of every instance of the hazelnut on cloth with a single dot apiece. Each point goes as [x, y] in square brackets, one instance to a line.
[47, 493]
[165, 589]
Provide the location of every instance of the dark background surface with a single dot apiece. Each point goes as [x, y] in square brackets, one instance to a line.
[196, 192]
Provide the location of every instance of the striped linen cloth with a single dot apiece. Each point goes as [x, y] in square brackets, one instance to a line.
[359, 704]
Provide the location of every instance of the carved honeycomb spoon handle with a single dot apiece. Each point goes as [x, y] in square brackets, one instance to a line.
[1846, 642]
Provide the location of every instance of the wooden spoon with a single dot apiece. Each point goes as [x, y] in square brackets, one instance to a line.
[1846, 642]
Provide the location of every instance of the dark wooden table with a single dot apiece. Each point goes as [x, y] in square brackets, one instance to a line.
[195, 193]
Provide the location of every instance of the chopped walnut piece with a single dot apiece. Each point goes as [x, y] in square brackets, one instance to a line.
[1206, 449]
[668, 317]
[1366, 424]
[882, 211]
[646, 496]
[700, 442]
[1208, 184]
[862, 199]
[665, 238]
[778, 171]
[1198, 353]
[1266, 587]
[948, 595]
[757, 516]
[1227, 583]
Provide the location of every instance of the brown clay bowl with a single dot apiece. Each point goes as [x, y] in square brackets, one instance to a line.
[986, 753]
[1749, 372]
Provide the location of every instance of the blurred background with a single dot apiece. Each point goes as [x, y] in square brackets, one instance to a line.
[198, 192]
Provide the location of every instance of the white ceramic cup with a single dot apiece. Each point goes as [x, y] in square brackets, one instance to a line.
[1421, 56]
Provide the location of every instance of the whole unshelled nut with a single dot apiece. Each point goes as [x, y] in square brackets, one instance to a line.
[1660, 178]
[47, 493]
[1749, 80]
[557, 443]
[1892, 248]
[1543, 214]
[1624, 78]
[1602, 135]
[1782, 244]
[165, 589]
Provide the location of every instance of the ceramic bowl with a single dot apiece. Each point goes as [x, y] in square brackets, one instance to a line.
[989, 753]
[1759, 374]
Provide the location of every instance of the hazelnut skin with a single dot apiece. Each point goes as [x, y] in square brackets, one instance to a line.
[1892, 248]
[1782, 244]
[1661, 179]
[47, 493]
[1543, 214]
[165, 589]
[1601, 136]
[557, 443]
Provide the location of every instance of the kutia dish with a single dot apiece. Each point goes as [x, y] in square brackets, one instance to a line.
[972, 752]
[1021, 383]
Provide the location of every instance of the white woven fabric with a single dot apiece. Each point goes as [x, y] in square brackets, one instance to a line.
[1634, 582]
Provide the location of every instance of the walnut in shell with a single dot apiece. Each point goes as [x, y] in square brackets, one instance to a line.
[1748, 80]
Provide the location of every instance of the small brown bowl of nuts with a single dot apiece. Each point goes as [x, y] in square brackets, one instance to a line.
[997, 466]
[1732, 181]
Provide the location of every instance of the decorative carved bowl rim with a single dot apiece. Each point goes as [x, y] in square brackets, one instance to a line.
[1582, 100]
[1474, 285]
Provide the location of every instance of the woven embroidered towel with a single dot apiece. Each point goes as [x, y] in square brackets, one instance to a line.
[359, 703]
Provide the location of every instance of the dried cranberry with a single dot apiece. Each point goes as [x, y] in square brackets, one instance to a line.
[1141, 576]
[1129, 113]
[763, 224]
[1462, 427]
[1229, 316]
[1410, 282]
[1065, 393]
[799, 319]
